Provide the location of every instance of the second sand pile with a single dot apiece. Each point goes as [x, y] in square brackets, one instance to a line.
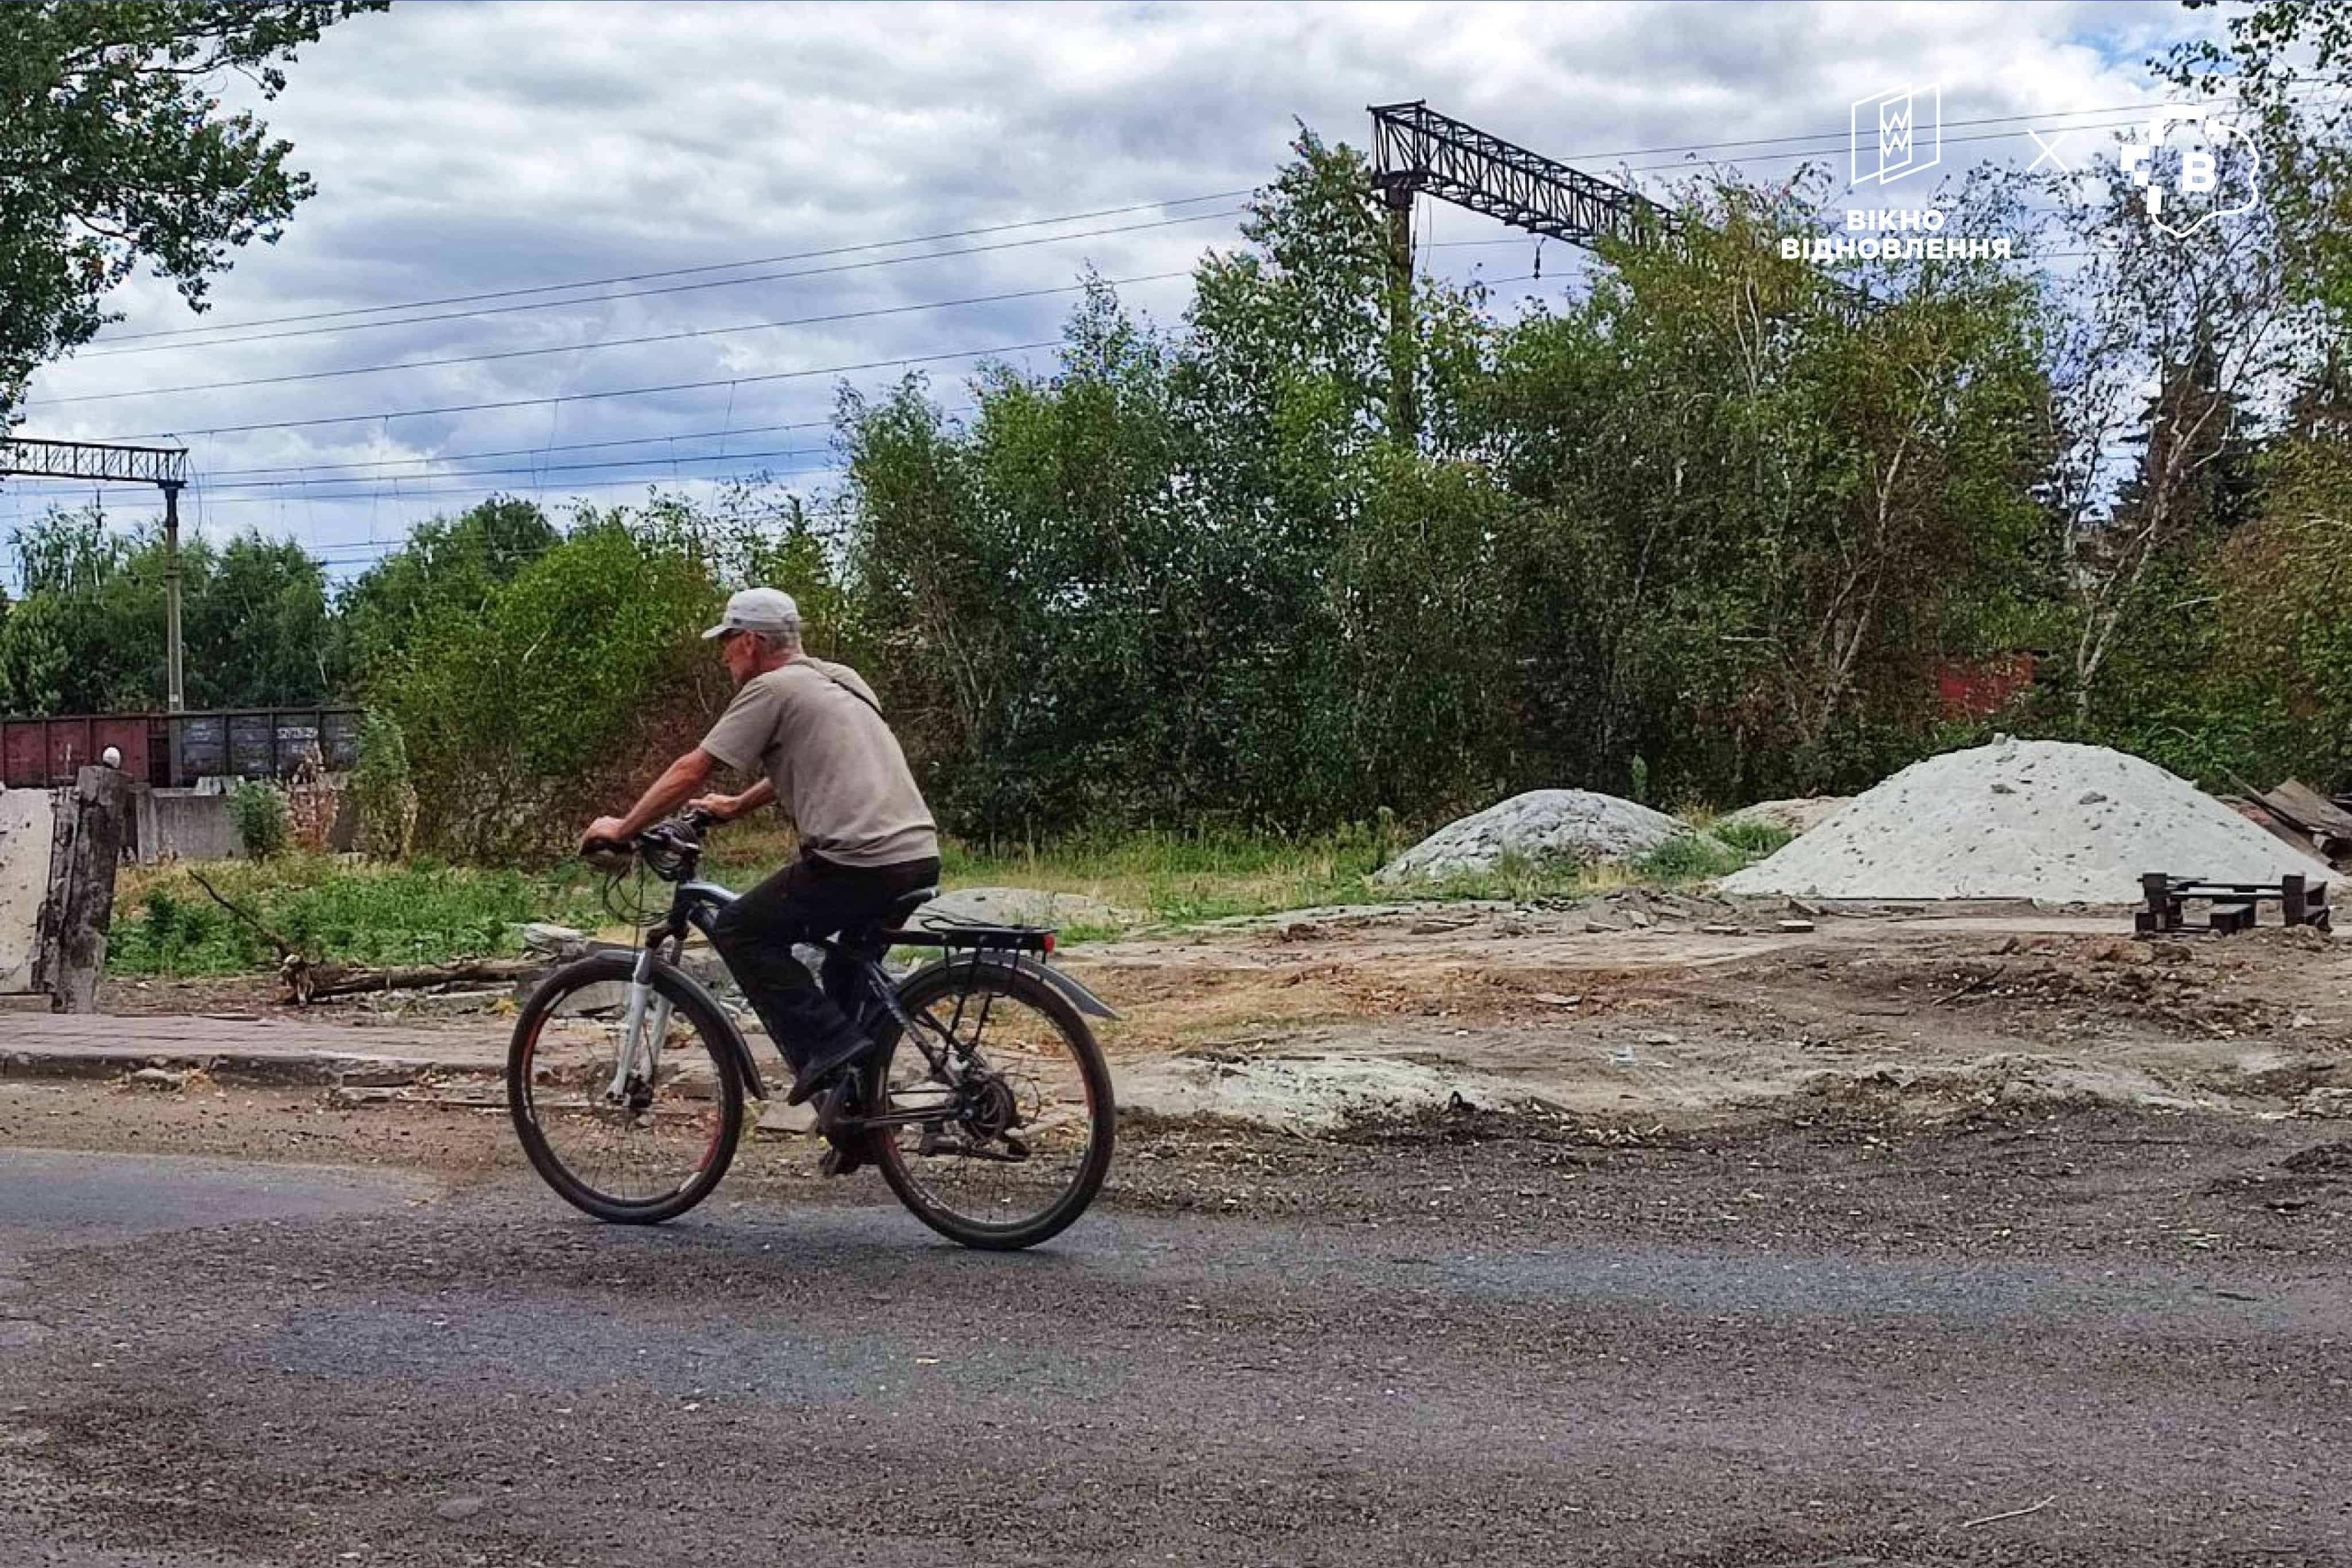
[2042, 820]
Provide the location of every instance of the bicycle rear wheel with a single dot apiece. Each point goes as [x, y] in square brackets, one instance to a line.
[1009, 1116]
[620, 1141]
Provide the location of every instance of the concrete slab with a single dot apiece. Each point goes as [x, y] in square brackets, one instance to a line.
[27, 826]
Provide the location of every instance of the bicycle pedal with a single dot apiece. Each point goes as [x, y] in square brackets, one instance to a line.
[830, 1104]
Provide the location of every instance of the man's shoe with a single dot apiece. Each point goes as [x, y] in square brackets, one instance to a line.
[823, 1065]
[847, 1154]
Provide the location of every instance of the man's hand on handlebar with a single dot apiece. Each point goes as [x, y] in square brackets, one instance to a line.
[720, 808]
[605, 833]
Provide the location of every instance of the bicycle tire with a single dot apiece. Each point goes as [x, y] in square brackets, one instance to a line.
[944, 980]
[687, 1001]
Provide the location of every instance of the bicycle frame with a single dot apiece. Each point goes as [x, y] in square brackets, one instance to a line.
[697, 904]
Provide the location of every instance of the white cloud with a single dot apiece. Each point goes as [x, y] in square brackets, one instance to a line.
[461, 149]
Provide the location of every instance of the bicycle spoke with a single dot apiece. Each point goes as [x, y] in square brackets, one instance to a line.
[646, 1147]
[1014, 1136]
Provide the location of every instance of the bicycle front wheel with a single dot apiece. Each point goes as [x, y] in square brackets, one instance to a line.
[632, 1125]
[995, 1125]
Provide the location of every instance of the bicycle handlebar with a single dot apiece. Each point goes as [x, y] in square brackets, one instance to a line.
[667, 838]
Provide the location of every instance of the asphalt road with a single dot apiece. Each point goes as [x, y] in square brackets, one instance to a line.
[1492, 1354]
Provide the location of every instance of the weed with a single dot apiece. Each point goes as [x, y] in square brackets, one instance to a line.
[1756, 840]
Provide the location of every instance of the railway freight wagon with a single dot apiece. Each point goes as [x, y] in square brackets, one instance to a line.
[177, 750]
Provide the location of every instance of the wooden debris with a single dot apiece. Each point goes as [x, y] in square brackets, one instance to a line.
[2317, 813]
[310, 982]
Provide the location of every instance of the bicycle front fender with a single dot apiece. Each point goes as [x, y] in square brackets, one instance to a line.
[733, 1041]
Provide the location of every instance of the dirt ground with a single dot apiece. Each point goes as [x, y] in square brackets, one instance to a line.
[1685, 1024]
[1644, 1009]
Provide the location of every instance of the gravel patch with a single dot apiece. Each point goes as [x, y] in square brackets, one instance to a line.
[1542, 824]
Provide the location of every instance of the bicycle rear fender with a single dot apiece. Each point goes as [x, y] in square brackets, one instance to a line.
[1072, 991]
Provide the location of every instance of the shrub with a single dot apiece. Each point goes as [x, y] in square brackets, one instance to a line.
[1756, 840]
[1690, 857]
[381, 794]
[259, 812]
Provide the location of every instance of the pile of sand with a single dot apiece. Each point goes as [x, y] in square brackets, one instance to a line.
[2042, 818]
[1542, 824]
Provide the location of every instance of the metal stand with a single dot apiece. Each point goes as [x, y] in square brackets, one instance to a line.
[2234, 903]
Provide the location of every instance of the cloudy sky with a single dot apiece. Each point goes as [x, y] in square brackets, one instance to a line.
[511, 193]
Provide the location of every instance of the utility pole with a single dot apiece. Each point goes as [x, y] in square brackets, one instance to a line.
[176, 690]
[1404, 353]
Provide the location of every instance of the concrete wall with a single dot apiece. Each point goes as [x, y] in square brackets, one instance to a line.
[184, 822]
[27, 826]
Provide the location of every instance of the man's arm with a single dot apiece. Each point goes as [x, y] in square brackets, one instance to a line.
[728, 808]
[680, 780]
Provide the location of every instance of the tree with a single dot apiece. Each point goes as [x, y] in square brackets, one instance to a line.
[87, 636]
[257, 625]
[522, 715]
[2212, 323]
[447, 564]
[1754, 511]
[114, 150]
[2278, 60]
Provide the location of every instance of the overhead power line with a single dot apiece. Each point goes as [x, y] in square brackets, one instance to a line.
[613, 342]
[523, 450]
[672, 288]
[323, 469]
[691, 271]
[304, 485]
[2041, 115]
[1837, 140]
[615, 391]
[484, 491]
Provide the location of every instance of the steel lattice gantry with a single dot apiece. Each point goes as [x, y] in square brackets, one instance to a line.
[1416, 149]
[166, 467]
[163, 465]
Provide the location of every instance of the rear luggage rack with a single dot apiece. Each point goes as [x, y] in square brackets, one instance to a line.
[941, 931]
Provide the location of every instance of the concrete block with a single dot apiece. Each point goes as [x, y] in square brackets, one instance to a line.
[191, 824]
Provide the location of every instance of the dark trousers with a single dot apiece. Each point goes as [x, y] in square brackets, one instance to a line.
[810, 898]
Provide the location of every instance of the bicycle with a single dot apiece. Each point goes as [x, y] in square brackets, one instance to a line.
[626, 1078]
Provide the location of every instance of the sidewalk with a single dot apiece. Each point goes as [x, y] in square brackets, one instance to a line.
[243, 1048]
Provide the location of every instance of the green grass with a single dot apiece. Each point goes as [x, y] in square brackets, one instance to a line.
[165, 925]
[339, 910]
[1753, 840]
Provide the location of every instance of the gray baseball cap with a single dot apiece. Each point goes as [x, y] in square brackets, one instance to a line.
[758, 610]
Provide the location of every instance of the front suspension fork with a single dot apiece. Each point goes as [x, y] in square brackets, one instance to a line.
[645, 1025]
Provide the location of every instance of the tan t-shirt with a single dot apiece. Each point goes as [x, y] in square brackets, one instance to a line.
[813, 728]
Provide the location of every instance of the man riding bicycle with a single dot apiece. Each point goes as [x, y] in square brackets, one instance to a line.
[817, 733]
